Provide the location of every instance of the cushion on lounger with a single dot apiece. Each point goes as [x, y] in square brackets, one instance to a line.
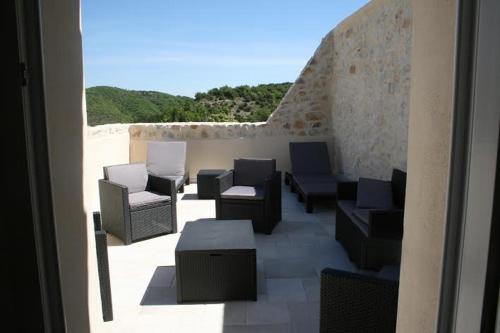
[310, 158]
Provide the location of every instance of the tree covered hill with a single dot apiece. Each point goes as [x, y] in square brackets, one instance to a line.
[107, 105]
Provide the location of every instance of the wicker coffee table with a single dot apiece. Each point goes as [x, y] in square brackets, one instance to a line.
[216, 261]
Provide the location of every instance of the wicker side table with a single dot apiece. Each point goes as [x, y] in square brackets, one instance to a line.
[216, 261]
[206, 182]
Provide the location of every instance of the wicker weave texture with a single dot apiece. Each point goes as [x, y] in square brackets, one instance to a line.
[216, 275]
[151, 222]
[355, 303]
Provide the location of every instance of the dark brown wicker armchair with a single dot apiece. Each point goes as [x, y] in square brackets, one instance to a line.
[135, 205]
[371, 236]
[252, 191]
[357, 303]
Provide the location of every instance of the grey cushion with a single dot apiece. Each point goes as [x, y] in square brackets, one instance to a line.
[316, 178]
[373, 193]
[244, 192]
[143, 199]
[362, 214]
[133, 176]
[310, 158]
[167, 158]
[348, 207]
[253, 172]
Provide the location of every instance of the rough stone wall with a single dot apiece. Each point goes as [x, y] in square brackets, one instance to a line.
[370, 89]
[304, 111]
[355, 88]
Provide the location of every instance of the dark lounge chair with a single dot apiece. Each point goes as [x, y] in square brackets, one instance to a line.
[168, 160]
[369, 221]
[352, 302]
[311, 175]
[135, 205]
[252, 191]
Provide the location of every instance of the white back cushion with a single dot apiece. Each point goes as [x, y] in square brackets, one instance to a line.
[134, 176]
[167, 158]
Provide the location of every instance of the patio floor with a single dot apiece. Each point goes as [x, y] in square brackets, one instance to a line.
[288, 263]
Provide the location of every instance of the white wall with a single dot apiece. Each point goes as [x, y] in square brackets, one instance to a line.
[105, 145]
[431, 106]
[64, 97]
[220, 153]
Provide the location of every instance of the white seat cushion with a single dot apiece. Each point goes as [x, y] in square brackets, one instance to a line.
[244, 192]
[167, 158]
[139, 200]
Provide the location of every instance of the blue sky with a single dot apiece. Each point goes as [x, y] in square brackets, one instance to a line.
[185, 46]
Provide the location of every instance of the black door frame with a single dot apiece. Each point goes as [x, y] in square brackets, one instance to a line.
[465, 302]
[41, 227]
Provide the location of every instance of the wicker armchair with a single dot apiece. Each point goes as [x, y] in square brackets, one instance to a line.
[371, 237]
[252, 191]
[168, 160]
[357, 303]
[135, 205]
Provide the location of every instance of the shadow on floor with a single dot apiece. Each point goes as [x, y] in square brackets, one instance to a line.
[113, 241]
[161, 288]
[190, 196]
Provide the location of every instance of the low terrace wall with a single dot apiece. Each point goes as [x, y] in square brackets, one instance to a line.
[216, 145]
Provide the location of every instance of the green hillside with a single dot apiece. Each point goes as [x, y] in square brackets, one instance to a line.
[107, 105]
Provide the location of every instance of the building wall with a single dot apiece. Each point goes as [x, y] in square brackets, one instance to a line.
[355, 88]
[431, 106]
[65, 111]
[370, 86]
[220, 153]
[106, 145]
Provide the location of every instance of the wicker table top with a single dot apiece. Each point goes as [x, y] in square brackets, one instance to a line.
[216, 235]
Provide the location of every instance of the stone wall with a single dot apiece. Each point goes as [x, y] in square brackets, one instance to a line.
[355, 88]
[370, 86]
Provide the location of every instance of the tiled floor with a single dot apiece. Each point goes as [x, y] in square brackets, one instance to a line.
[288, 264]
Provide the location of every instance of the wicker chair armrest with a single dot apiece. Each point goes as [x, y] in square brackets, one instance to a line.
[224, 182]
[272, 183]
[347, 190]
[353, 302]
[111, 189]
[114, 208]
[272, 198]
[386, 223]
[161, 185]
